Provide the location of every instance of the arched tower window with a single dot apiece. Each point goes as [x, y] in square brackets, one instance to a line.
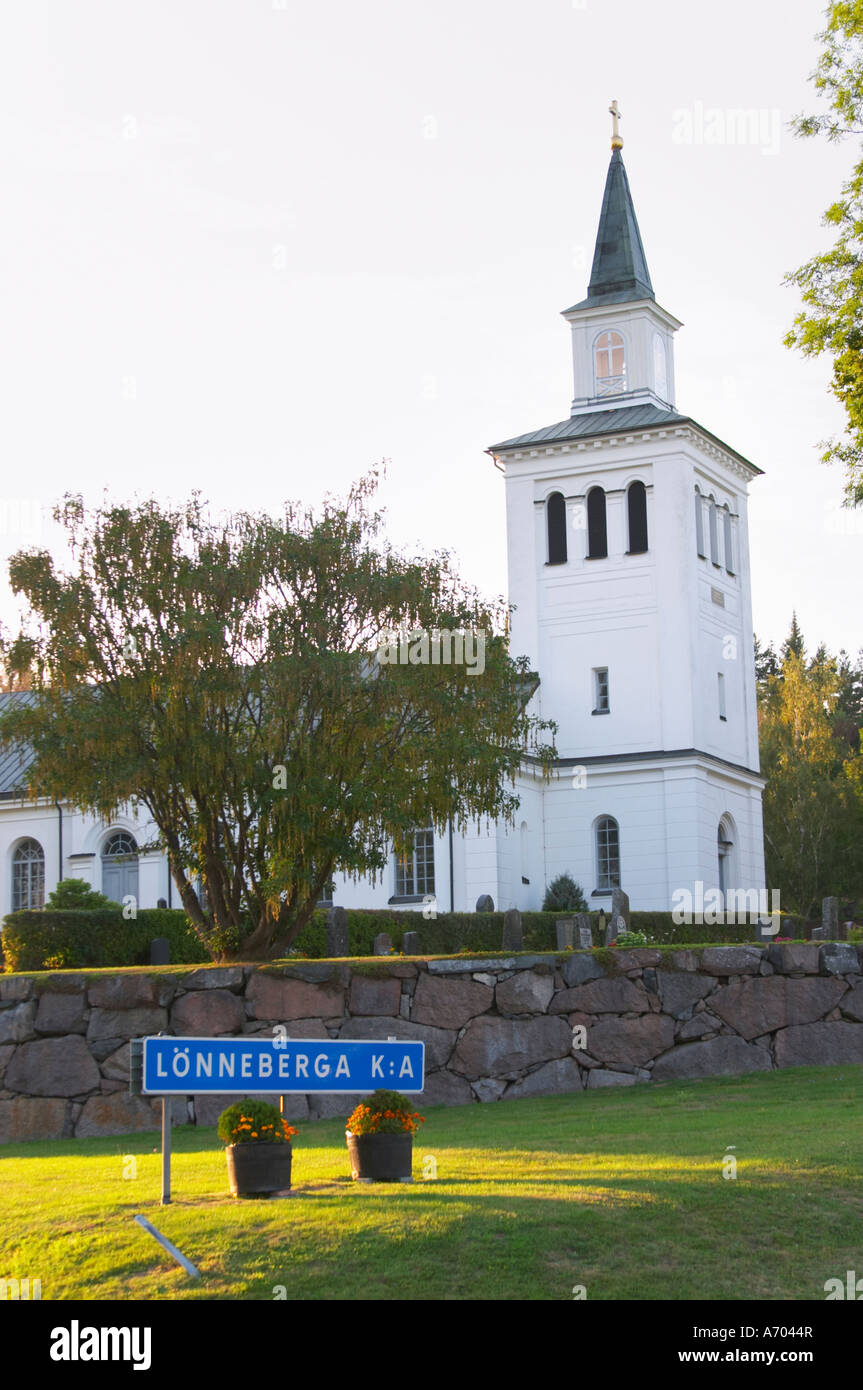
[660, 368]
[636, 506]
[699, 524]
[714, 530]
[607, 854]
[597, 538]
[729, 550]
[120, 867]
[555, 516]
[609, 360]
[28, 876]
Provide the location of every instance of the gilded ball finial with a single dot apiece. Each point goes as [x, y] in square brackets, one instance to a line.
[616, 137]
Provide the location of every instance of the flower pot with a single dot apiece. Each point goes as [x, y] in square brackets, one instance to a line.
[380, 1157]
[257, 1169]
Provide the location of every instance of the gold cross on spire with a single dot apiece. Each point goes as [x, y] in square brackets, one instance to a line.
[616, 137]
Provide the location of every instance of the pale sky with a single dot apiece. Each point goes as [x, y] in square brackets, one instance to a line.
[254, 246]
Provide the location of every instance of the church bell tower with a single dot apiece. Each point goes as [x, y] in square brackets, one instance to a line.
[628, 551]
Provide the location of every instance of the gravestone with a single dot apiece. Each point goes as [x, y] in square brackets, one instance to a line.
[382, 944]
[564, 931]
[513, 936]
[830, 918]
[818, 934]
[585, 934]
[615, 926]
[620, 908]
[337, 932]
[162, 902]
[411, 943]
[484, 903]
[160, 951]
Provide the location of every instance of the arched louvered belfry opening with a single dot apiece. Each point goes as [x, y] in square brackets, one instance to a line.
[636, 507]
[597, 536]
[727, 537]
[699, 523]
[555, 515]
[713, 530]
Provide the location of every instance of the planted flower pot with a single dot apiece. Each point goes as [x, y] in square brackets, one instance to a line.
[257, 1169]
[380, 1135]
[380, 1157]
[257, 1148]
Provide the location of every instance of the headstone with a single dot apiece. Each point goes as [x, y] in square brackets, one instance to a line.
[337, 932]
[484, 903]
[564, 931]
[382, 944]
[411, 943]
[161, 902]
[830, 917]
[160, 951]
[585, 934]
[819, 934]
[513, 936]
[620, 908]
[615, 926]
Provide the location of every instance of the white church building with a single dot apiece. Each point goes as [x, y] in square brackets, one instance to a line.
[628, 563]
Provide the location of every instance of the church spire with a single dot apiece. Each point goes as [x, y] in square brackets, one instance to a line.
[619, 269]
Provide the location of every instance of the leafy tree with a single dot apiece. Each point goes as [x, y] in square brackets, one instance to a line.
[74, 895]
[225, 676]
[813, 821]
[766, 664]
[831, 284]
[793, 644]
[564, 895]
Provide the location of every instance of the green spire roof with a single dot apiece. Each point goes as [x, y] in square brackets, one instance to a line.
[619, 271]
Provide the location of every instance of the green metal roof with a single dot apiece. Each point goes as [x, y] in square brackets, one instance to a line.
[619, 272]
[625, 419]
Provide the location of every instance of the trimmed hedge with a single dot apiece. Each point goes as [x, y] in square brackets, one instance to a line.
[74, 940]
[45, 940]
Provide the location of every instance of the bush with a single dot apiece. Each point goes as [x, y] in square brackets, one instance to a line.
[74, 895]
[384, 1112]
[564, 895]
[49, 940]
[254, 1122]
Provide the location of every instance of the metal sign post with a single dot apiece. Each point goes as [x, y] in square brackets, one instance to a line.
[167, 1102]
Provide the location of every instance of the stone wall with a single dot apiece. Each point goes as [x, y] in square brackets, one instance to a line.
[496, 1028]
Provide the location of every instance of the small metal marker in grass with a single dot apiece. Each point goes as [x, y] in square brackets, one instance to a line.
[171, 1249]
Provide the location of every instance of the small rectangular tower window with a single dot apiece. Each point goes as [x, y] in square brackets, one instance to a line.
[600, 690]
[720, 681]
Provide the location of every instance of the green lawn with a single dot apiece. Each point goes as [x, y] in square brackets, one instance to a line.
[620, 1191]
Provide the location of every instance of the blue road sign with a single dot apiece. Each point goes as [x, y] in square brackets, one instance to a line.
[259, 1064]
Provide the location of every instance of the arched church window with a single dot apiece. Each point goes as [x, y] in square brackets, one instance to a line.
[524, 851]
[636, 506]
[28, 876]
[725, 854]
[699, 524]
[729, 551]
[609, 358]
[597, 538]
[714, 530]
[607, 854]
[556, 525]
